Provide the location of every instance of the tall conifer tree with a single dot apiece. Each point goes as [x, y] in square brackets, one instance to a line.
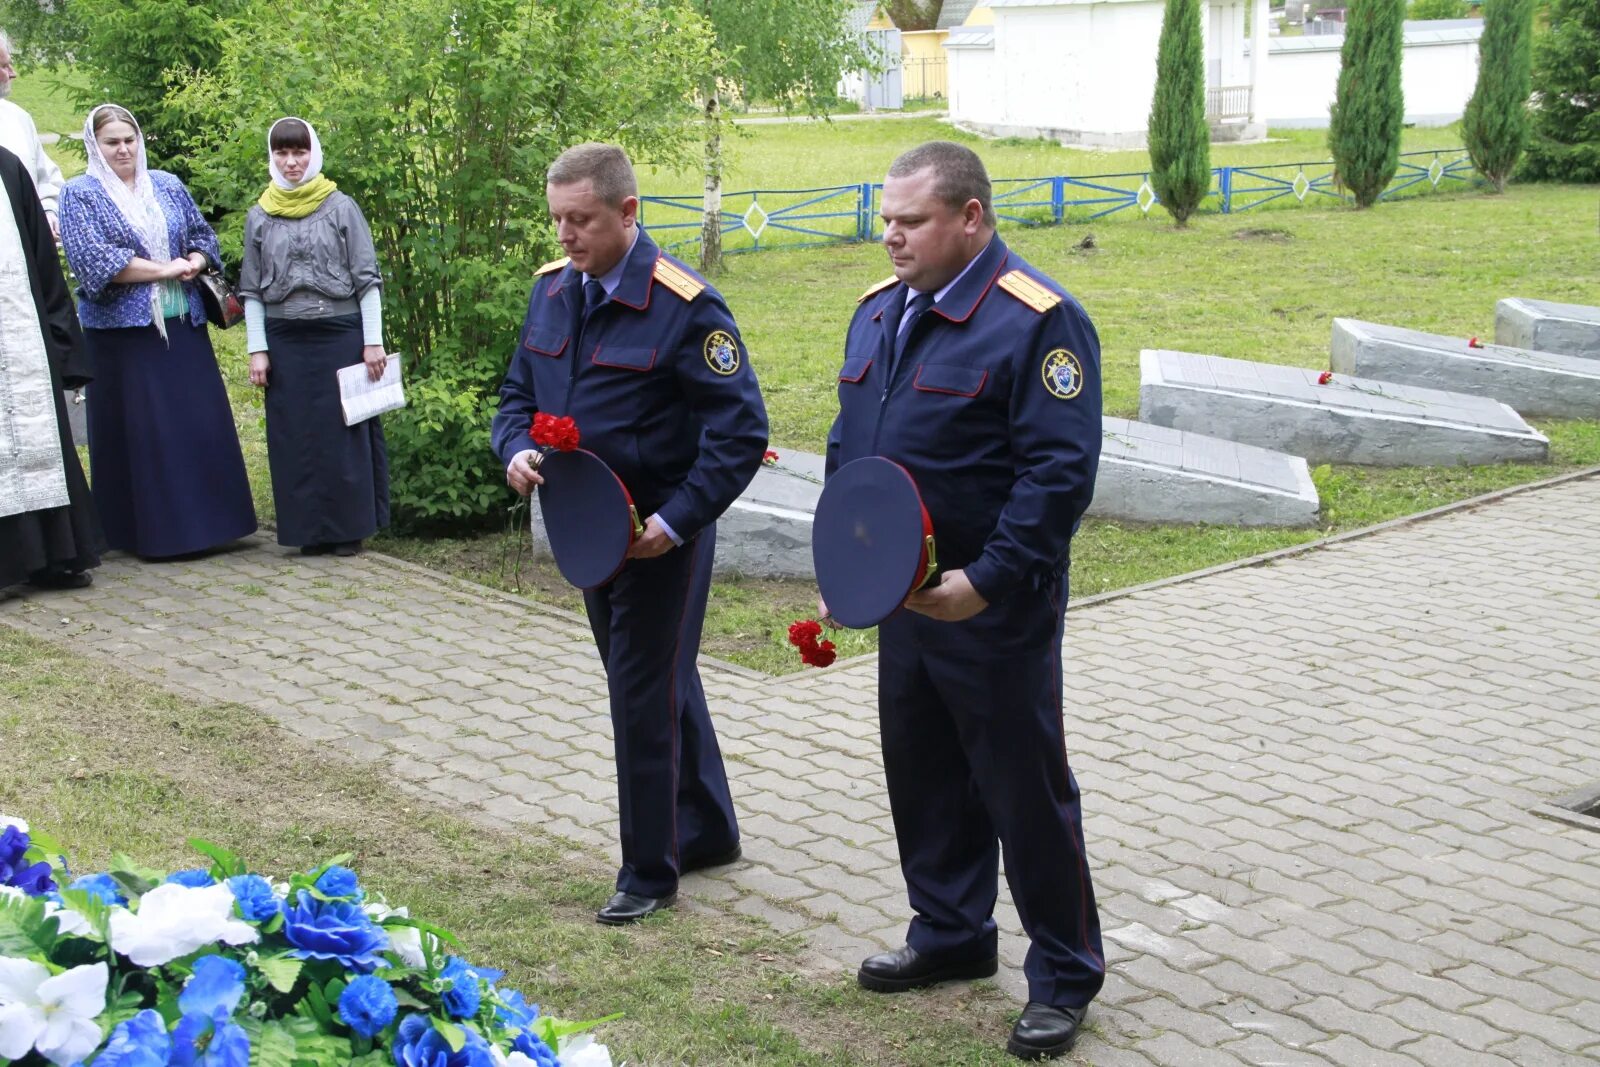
[1369, 107]
[1495, 125]
[1180, 139]
[1566, 75]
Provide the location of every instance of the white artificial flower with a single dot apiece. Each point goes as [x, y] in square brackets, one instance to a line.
[582, 1051]
[404, 941]
[174, 920]
[12, 820]
[516, 1059]
[53, 1015]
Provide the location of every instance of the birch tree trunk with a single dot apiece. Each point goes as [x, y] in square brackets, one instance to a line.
[711, 224]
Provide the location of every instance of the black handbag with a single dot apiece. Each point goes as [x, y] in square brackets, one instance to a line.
[223, 306]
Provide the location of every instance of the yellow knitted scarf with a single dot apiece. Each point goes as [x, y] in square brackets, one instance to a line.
[299, 202]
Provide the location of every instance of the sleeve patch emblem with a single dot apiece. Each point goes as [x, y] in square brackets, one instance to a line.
[722, 352]
[1063, 374]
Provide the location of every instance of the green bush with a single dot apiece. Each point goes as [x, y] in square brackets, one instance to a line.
[440, 117]
[1180, 137]
[1566, 81]
[1423, 10]
[1495, 126]
[1368, 112]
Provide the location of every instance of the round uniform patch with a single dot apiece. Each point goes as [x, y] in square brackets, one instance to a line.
[722, 352]
[1063, 375]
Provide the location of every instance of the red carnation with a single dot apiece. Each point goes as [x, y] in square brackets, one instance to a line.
[560, 434]
[1325, 377]
[1473, 342]
[770, 459]
[804, 631]
[822, 656]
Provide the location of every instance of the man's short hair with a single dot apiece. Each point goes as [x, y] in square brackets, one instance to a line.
[5, 43]
[959, 175]
[604, 165]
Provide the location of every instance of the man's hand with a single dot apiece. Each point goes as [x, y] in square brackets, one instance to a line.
[952, 600]
[55, 225]
[521, 475]
[652, 543]
[825, 617]
[375, 359]
[260, 367]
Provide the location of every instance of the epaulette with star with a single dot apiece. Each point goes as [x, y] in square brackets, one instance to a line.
[1030, 292]
[679, 281]
[553, 266]
[880, 287]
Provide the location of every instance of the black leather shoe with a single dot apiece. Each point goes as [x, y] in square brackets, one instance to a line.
[60, 578]
[721, 859]
[906, 968]
[1045, 1032]
[625, 908]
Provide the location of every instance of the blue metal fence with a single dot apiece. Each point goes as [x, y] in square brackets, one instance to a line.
[757, 219]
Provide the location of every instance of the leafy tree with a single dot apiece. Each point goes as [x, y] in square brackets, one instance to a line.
[789, 51]
[41, 31]
[1495, 126]
[1424, 10]
[1368, 112]
[440, 117]
[1566, 83]
[914, 14]
[1180, 138]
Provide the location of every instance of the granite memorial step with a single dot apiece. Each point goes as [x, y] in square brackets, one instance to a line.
[1534, 383]
[1158, 474]
[1347, 420]
[1545, 326]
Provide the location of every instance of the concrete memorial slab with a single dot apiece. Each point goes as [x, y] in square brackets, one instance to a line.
[1545, 326]
[1158, 474]
[1347, 420]
[1534, 383]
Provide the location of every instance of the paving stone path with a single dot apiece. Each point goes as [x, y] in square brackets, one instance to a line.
[1307, 783]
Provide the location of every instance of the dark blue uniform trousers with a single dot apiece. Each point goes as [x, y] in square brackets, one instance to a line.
[672, 789]
[975, 757]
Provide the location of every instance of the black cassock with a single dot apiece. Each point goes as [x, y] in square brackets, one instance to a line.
[55, 537]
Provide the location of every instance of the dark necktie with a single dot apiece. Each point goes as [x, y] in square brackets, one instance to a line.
[915, 307]
[592, 296]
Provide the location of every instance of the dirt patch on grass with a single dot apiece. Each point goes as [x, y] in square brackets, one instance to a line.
[1264, 233]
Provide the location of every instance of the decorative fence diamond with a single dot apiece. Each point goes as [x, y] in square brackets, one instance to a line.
[1145, 197]
[761, 217]
[1301, 186]
[1435, 172]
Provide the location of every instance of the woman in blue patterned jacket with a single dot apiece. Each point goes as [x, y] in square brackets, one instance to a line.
[164, 456]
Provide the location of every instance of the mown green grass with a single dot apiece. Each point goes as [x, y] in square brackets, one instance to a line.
[106, 763]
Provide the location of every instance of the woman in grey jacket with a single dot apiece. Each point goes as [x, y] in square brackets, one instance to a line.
[312, 302]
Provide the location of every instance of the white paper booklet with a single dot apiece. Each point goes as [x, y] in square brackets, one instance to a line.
[363, 398]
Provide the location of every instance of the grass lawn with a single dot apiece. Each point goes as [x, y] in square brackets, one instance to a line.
[1253, 288]
[106, 763]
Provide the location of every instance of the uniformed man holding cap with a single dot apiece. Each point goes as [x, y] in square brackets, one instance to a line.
[645, 357]
[981, 377]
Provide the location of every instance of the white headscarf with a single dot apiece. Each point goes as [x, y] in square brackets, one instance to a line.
[313, 165]
[139, 205]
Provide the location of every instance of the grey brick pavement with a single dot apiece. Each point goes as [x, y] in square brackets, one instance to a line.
[1307, 783]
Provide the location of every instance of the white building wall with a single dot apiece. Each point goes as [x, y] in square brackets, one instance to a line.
[972, 85]
[1436, 77]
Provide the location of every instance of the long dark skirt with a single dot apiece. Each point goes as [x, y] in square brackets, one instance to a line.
[66, 537]
[330, 482]
[164, 455]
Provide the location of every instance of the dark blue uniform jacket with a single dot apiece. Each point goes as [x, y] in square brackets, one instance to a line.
[659, 385]
[994, 409]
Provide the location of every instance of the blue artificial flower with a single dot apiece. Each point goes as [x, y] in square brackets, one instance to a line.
[195, 878]
[514, 1011]
[367, 1005]
[462, 998]
[418, 1044]
[216, 988]
[102, 886]
[339, 882]
[532, 1046]
[209, 1041]
[142, 1041]
[253, 893]
[334, 930]
[15, 870]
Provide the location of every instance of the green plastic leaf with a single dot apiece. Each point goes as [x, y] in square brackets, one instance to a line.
[224, 864]
[281, 971]
[24, 930]
[552, 1030]
[277, 1047]
[453, 1034]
